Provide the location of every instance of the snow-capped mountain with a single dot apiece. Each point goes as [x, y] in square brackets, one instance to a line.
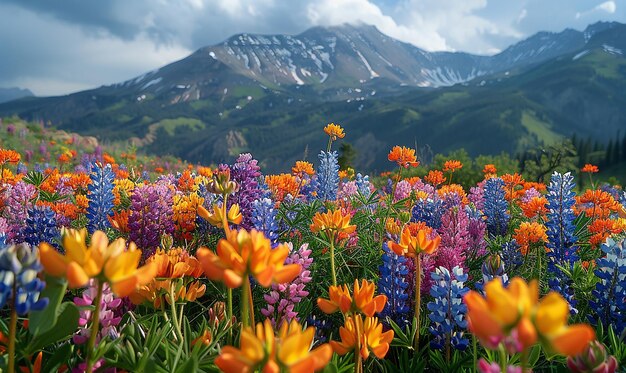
[345, 56]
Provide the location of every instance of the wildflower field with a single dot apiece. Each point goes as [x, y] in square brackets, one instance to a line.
[114, 263]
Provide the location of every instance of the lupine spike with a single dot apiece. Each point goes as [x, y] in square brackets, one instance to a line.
[100, 197]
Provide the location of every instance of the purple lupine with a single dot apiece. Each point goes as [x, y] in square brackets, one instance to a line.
[151, 216]
[477, 229]
[17, 201]
[109, 315]
[455, 239]
[246, 173]
[403, 190]
[477, 195]
[282, 298]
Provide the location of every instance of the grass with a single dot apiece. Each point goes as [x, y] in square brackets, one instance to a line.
[171, 125]
[539, 128]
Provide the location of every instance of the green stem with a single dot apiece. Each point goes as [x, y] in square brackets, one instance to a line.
[503, 359]
[12, 332]
[245, 304]
[358, 360]
[418, 295]
[330, 142]
[229, 314]
[175, 321]
[332, 261]
[474, 353]
[95, 328]
[251, 302]
[524, 360]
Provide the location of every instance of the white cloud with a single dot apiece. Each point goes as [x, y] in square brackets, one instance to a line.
[522, 15]
[607, 6]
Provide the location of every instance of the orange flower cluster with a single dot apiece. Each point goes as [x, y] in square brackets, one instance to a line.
[365, 334]
[302, 168]
[435, 178]
[186, 182]
[171, 266]
[9, 156]
[536, 207]
[403, 156]
[122, 187]
[589, 168]
[281, 185]
[289, 351]
[457, 189]
[513, 186]
[452, 166]
[489, 169]
[119, 220]
[246, 253]
[334, 131]
[518, 308]
[185, 208]
[362, 301]
[411, 244]
[603, 228]
[335, 225]
[529, 234]
[602, 204]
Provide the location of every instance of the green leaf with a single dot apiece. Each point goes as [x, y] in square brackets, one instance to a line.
[534, 355]
[66, 325]
[190, 365]
[60, 356]
[44, 320]
[331, 368]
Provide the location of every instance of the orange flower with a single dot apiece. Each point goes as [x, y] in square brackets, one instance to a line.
[435, 177]
[403, 156]
[289, 351]
[517, 308]
[601, 229]
[107, 158]
[363, 301]
[334, 131]
[119, 220]
[302, 168]
[452, 165]
[205, 338]
[530, 233]
[589, 168]
[601, 203]
[537, 206]
[332, 224]
[391, 226]
[512, 184]
[246, 253]
[457, 189]
[540, 187]
[175, 263]
[411, 245]
[9, 156]
[366, 335]
[489, 169]
[282, 185]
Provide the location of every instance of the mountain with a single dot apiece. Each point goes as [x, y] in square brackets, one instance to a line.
[271, 95]
[8, 94]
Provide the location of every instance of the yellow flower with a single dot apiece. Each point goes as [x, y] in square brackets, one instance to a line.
[334, 131]
[216, 219]
[245, 253]
[288, 351]
[80, 263]
[517, 307]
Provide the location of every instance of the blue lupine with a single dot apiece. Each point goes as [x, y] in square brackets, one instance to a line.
[560, 231]
[41, 226]
[264, 218]
[511, 255]
[393, 284]
[495, 207]
[328, 176]
[447, 310]
[363, 184]
[608, 302]
[100, 197]
[429, 211]
[19, 266]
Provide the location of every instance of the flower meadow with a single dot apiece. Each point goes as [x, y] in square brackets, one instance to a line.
[106, 267]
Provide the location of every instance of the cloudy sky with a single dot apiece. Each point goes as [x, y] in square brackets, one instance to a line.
[62, 46]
